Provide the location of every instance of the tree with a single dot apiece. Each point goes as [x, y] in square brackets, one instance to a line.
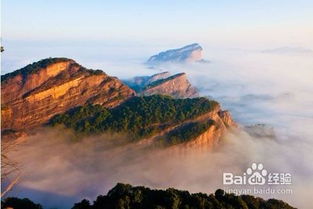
[84, 204]
[10, 172]
[219, 194]
[17, 203]
[125, 196]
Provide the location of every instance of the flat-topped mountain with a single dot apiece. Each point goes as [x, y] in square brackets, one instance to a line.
[189, 53]
[32, 95]
[177, 86]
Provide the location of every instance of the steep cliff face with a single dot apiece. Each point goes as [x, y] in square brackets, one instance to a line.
[177, 86]
[142, 81]
[211, 136]
[32, 95]
[19, 82]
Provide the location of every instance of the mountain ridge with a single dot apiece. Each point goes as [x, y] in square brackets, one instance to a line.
[188, 53]
[177, 85]
[38, 91]
[161, 120]
[60, 91]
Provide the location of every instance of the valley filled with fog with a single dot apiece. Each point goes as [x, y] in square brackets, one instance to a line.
[258, 86]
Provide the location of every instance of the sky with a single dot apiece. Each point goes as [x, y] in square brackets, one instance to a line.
[241, 22]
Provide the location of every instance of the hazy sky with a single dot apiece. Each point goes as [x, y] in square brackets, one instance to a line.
[279, 22]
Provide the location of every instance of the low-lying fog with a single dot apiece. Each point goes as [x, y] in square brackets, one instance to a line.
[257, 87]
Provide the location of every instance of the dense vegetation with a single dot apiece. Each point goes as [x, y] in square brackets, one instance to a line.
[17, 203]
[187, 132]
[138, 116]
[160, 81]
[125, 196]
[32, 68]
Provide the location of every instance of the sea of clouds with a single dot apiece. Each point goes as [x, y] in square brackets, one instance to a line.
[257, 87]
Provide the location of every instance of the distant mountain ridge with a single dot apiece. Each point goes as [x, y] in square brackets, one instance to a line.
[189, 53]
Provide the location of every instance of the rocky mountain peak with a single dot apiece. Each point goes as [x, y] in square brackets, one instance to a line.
[177, 86]
[189, 53]
[51, 65]
[33, 94]
[159, 76]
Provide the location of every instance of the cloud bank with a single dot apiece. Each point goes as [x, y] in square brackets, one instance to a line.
[255, 87]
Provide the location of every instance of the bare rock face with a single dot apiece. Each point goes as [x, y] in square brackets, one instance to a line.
[158, 76]
[142, 81]
[177, 86]
[32, 95]
[227, 118]
[210, 138]
[189, 53]
[138, 83]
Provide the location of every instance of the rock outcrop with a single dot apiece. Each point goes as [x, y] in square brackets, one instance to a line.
[221, 122]
[32, 95]
[213, 135]
[177, 86]
[189, 53]
[140, 82]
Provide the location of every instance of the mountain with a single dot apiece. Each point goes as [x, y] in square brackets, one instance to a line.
[189, 53]
[59, 91]
[139, 82]
[32, 95]
[162, 119]
[139, 197]
[177, 86]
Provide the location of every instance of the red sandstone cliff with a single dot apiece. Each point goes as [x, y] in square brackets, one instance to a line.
[32, 95]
